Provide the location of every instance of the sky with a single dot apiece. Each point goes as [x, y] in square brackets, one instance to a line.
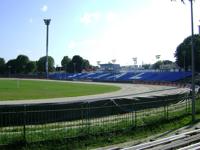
[97, 30]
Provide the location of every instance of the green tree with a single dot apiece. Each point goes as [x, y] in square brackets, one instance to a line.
[167, 62]
[41, 63]
[2, 66]
[65, 62]
[183, 53]
[86, 64]
[77, 62]
[71, 67]
[21, 63]
[31, 67]
[146, 66]
[11, 66]
[157, 65]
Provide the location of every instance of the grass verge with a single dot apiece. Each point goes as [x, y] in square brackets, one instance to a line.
[99, 137]
[104, 139]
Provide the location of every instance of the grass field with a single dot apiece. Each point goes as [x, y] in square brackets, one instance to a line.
[30, 89]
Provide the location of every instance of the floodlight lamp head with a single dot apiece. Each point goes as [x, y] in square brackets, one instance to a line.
[47, 21]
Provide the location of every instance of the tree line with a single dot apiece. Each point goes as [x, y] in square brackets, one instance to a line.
[23, 65]
[183, 55]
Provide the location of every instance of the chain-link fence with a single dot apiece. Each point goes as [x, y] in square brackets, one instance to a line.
[32, 123]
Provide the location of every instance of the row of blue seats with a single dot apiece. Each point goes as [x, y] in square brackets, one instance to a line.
[125, 76]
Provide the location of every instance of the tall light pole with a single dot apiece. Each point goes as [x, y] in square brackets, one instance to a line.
[193, 64]
[184, 63]
[157, 59]
[193, 67]
[114, 68]
[199, 28]
[135, 62]
[98, 63]
[184, 55]
[47, 22]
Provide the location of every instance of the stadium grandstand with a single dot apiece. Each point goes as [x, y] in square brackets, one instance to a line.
[112, 73]
[123, 76]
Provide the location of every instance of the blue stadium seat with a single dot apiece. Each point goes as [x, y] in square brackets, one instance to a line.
[125, 76]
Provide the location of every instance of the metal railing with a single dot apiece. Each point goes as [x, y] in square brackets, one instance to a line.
[56, 122]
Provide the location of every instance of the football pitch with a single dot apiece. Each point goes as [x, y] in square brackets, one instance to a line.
[17, 89]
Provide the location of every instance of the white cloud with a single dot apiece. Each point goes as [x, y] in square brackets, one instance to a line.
[44, 8]
[88, 18]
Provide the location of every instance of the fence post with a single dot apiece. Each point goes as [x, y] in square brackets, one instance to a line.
[189, 104]
[132, 116]
[24, 123]
[135, 118]
[165, 109]
[186, 105]
[88, 118]
[82, 114]
[167, 113]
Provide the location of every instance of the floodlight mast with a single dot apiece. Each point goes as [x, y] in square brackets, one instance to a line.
[47, 23]
[193, 63]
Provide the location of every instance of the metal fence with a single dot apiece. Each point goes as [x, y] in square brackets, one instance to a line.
[31, 125]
